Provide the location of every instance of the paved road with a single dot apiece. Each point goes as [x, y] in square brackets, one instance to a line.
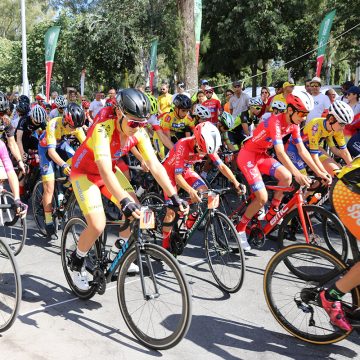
[53, 324]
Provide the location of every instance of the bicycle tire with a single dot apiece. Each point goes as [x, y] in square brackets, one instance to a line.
[175, 322]
[69, 242]
[15, 235]
[291, 231]
[291, 300]
[224, 253]
[10, 287]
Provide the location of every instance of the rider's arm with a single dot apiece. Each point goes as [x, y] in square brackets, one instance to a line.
[12, 177]
[19, 136]
[165, 139]
[344, 154]
[13, 147]
[225, 170]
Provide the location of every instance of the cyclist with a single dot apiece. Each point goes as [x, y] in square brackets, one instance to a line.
[253, 159]
[54, 149]
[200, 113]
[95, 172]
[345, 198]
[177, 124]
[212, 103]
[228, 138]
[329, 128]
[7, 132]
[61, 104]
[278, 107]
[250, 119]
[187, 151]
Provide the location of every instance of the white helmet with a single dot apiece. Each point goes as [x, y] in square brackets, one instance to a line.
[202, 111]
[61, 102]
[256, 101]
[277, 104]
[208, 137]
[227, 119]
[38, 115]
[300, 100]
[342, 112]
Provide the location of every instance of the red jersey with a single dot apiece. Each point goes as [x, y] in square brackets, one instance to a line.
[270, 132]
[214, 106]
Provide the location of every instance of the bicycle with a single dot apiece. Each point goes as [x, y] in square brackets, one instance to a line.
[10, 287]
[293, 296]
[296, 222]
[156, 304]
[223, 250]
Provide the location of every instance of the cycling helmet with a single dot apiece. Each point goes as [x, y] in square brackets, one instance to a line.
[108, 102]
[133, 102]
[300, 101]
[86, 104]
[60, 102]
[227, 120]
[208, 137]
[4, 102]
[74, 115]
[182, 101]
[153, 104]
[38, 115]
[24, 98]
[23, 108]
[342, 112]
[277, 104]
[256, 101]
[202, 111]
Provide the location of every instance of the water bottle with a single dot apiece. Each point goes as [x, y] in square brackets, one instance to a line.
[315, 198]
[118, 244]
[60, 200]
[191, 219]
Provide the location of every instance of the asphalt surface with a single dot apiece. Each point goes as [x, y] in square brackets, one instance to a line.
[54, 324]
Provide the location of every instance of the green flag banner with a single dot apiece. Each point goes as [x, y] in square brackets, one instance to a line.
[198, 19]
[51, 38]
[153, 58]
[324, 33]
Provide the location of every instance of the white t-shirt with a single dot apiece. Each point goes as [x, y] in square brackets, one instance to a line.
[239, 104]
[356, 109]
[321, 103]
[95, 107]
[54, 113]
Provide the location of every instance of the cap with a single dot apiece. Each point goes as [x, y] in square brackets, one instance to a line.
[204, 82]
[353, 90]
[316, 80]
[181, 85]
[40, 97]
[209, 88]
[278, 84]
[287, 83]
[347, 84]
[236, 83]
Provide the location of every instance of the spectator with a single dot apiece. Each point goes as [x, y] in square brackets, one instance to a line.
[228, 94]
[321, 101]
[212, 104]
[288, 88]
[72, 95]
[200, 97]
[102, 98]
[331, 94]
[148, 90]
[112, 93]
[344, 88]
[203, 84]
[308, 86]
[265, 95]
[352, 95]
[180, 89]
[239, 102]
[40, 99]
[96, 105]
[164, 100]
[278, 85]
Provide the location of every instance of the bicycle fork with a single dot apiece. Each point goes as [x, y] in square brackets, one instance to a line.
[300, 203]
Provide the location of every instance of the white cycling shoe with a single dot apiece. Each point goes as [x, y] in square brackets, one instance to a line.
[133, 269]
[80, 280]
[243, 241]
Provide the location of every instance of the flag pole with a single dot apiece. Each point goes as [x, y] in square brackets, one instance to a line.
[24, 52]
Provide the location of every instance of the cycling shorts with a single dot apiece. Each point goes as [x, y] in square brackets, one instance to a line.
[354, 144]
[191, 177]
[253, 164]
[47, 166]
[88, 190]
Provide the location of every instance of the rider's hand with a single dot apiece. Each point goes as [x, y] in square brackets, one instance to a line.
[25, 157]
[66, 169]
[327, 179]
[144, 166]
[240, 188]
[22, 166]
[130, 208]
[182, 204]
[303, 180]
[21, 208]
[194, 196]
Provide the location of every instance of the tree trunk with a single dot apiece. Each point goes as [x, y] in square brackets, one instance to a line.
[264, 74]
[254, 80]
[187, 64]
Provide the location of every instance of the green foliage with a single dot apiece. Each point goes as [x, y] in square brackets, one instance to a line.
[10, 69]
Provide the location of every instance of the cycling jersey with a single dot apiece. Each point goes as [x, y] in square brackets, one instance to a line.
[4, 157]
[56, 131]
[214, 106]
[176, 127]
[30, 136]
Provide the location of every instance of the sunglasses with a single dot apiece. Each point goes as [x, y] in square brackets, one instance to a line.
[265, 92]
[256, 107]
[314, 85]
[135, 124]
[163, 89]
[237, 86]
[303, 113]
[208, 92]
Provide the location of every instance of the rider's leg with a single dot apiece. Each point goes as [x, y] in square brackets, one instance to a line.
[330, 165]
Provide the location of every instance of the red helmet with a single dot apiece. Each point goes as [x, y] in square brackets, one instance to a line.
[208, 137]
[85, 104]
[301, 101]
[110, 102]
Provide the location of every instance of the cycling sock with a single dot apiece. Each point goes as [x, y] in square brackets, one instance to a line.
[271, 213]
[21, 190]
[48, 217]
[333, 293]
[275, 203]
[241, 226]
[80, 254]
[166, 239]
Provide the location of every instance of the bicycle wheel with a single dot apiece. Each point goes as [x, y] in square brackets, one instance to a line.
[294, 302]
[14, 235]
[37, 207]
[224, 253]
[10, 287]
[162, 317]
[155, 235]
[69, 240]
[323, 227]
